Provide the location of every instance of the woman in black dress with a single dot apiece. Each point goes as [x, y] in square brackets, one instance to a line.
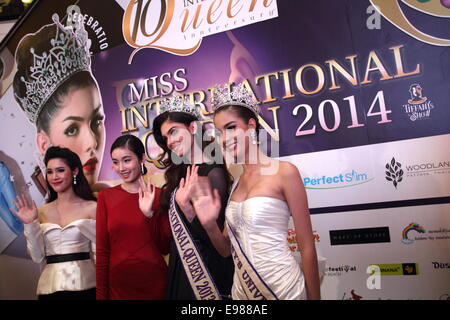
[197, 270]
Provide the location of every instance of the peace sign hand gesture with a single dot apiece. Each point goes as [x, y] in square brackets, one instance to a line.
[146, 197]
[25, 213]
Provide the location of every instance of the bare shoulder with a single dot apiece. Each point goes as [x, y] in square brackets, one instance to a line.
[92, 208]
[287, 169]
[43, 211]
[44, 207]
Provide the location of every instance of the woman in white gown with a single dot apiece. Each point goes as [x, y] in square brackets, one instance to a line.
[262, 200]
[62, 231]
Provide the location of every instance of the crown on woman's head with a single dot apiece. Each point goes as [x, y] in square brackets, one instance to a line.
[69, 54]
[180, 103]
[238, 95]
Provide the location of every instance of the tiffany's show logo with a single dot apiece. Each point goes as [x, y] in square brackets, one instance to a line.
[418, 107]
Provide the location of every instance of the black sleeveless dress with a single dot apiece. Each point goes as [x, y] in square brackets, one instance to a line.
[221, 269]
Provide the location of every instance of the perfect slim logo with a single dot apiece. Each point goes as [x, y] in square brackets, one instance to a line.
[341, 180]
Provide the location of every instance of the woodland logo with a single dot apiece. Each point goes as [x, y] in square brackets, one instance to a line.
[394, 172]
[178, 26]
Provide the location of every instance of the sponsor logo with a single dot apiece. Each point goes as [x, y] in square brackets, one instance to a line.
[352, 296]
[427, 168]
[403, 269]
[292, 239]
[441, 265]
[338, 271]
[418, 106]
[340, 180]
[422, 234]
[359, 236]
[396, 171]
[178, 26]
[411, 227]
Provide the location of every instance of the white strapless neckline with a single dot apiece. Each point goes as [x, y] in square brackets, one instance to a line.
[260, 224]
[72, 223]
[261, 197]
[48, 238]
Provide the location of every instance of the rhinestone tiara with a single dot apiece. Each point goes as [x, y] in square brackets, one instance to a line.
[180, 103]
[239, 95]
[69, 54]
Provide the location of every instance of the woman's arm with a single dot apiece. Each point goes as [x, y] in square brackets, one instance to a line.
[32, 228]
[295, 193]
[160, 225]
[102, 248]
[35, 241]
[87, 228]
[210, 205]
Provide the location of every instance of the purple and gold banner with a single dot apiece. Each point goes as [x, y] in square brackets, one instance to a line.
[355, 92]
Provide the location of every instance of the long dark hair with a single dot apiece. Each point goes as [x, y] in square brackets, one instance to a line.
[174, 172]
[132, 143]
[82, 188]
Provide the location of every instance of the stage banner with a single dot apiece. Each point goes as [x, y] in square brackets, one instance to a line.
[355, 93]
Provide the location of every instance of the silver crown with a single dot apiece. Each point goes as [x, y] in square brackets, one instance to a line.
[68, 55]
[180, 103]
[239, 95]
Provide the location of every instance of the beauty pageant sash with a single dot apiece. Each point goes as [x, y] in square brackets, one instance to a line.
[253, 285]
[197, 273]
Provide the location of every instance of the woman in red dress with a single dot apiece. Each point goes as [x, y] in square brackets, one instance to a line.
[132, 233]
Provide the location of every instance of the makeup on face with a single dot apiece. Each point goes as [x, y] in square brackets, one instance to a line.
[59, 175]
[233, 134]
[177, 136]
[126, 164]
[79, 126]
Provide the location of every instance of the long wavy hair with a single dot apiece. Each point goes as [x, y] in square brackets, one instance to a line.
[175, 172]
[82, 188]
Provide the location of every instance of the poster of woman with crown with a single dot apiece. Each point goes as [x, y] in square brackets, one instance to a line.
[48, 72]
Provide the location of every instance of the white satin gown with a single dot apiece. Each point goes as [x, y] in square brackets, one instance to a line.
[261, 226]
[46, 239]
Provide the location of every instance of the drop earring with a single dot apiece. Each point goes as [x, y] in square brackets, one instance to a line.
[142, 169]
[254, 138]
[74, 180]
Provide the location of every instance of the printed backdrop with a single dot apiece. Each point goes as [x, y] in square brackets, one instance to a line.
[355, 93]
